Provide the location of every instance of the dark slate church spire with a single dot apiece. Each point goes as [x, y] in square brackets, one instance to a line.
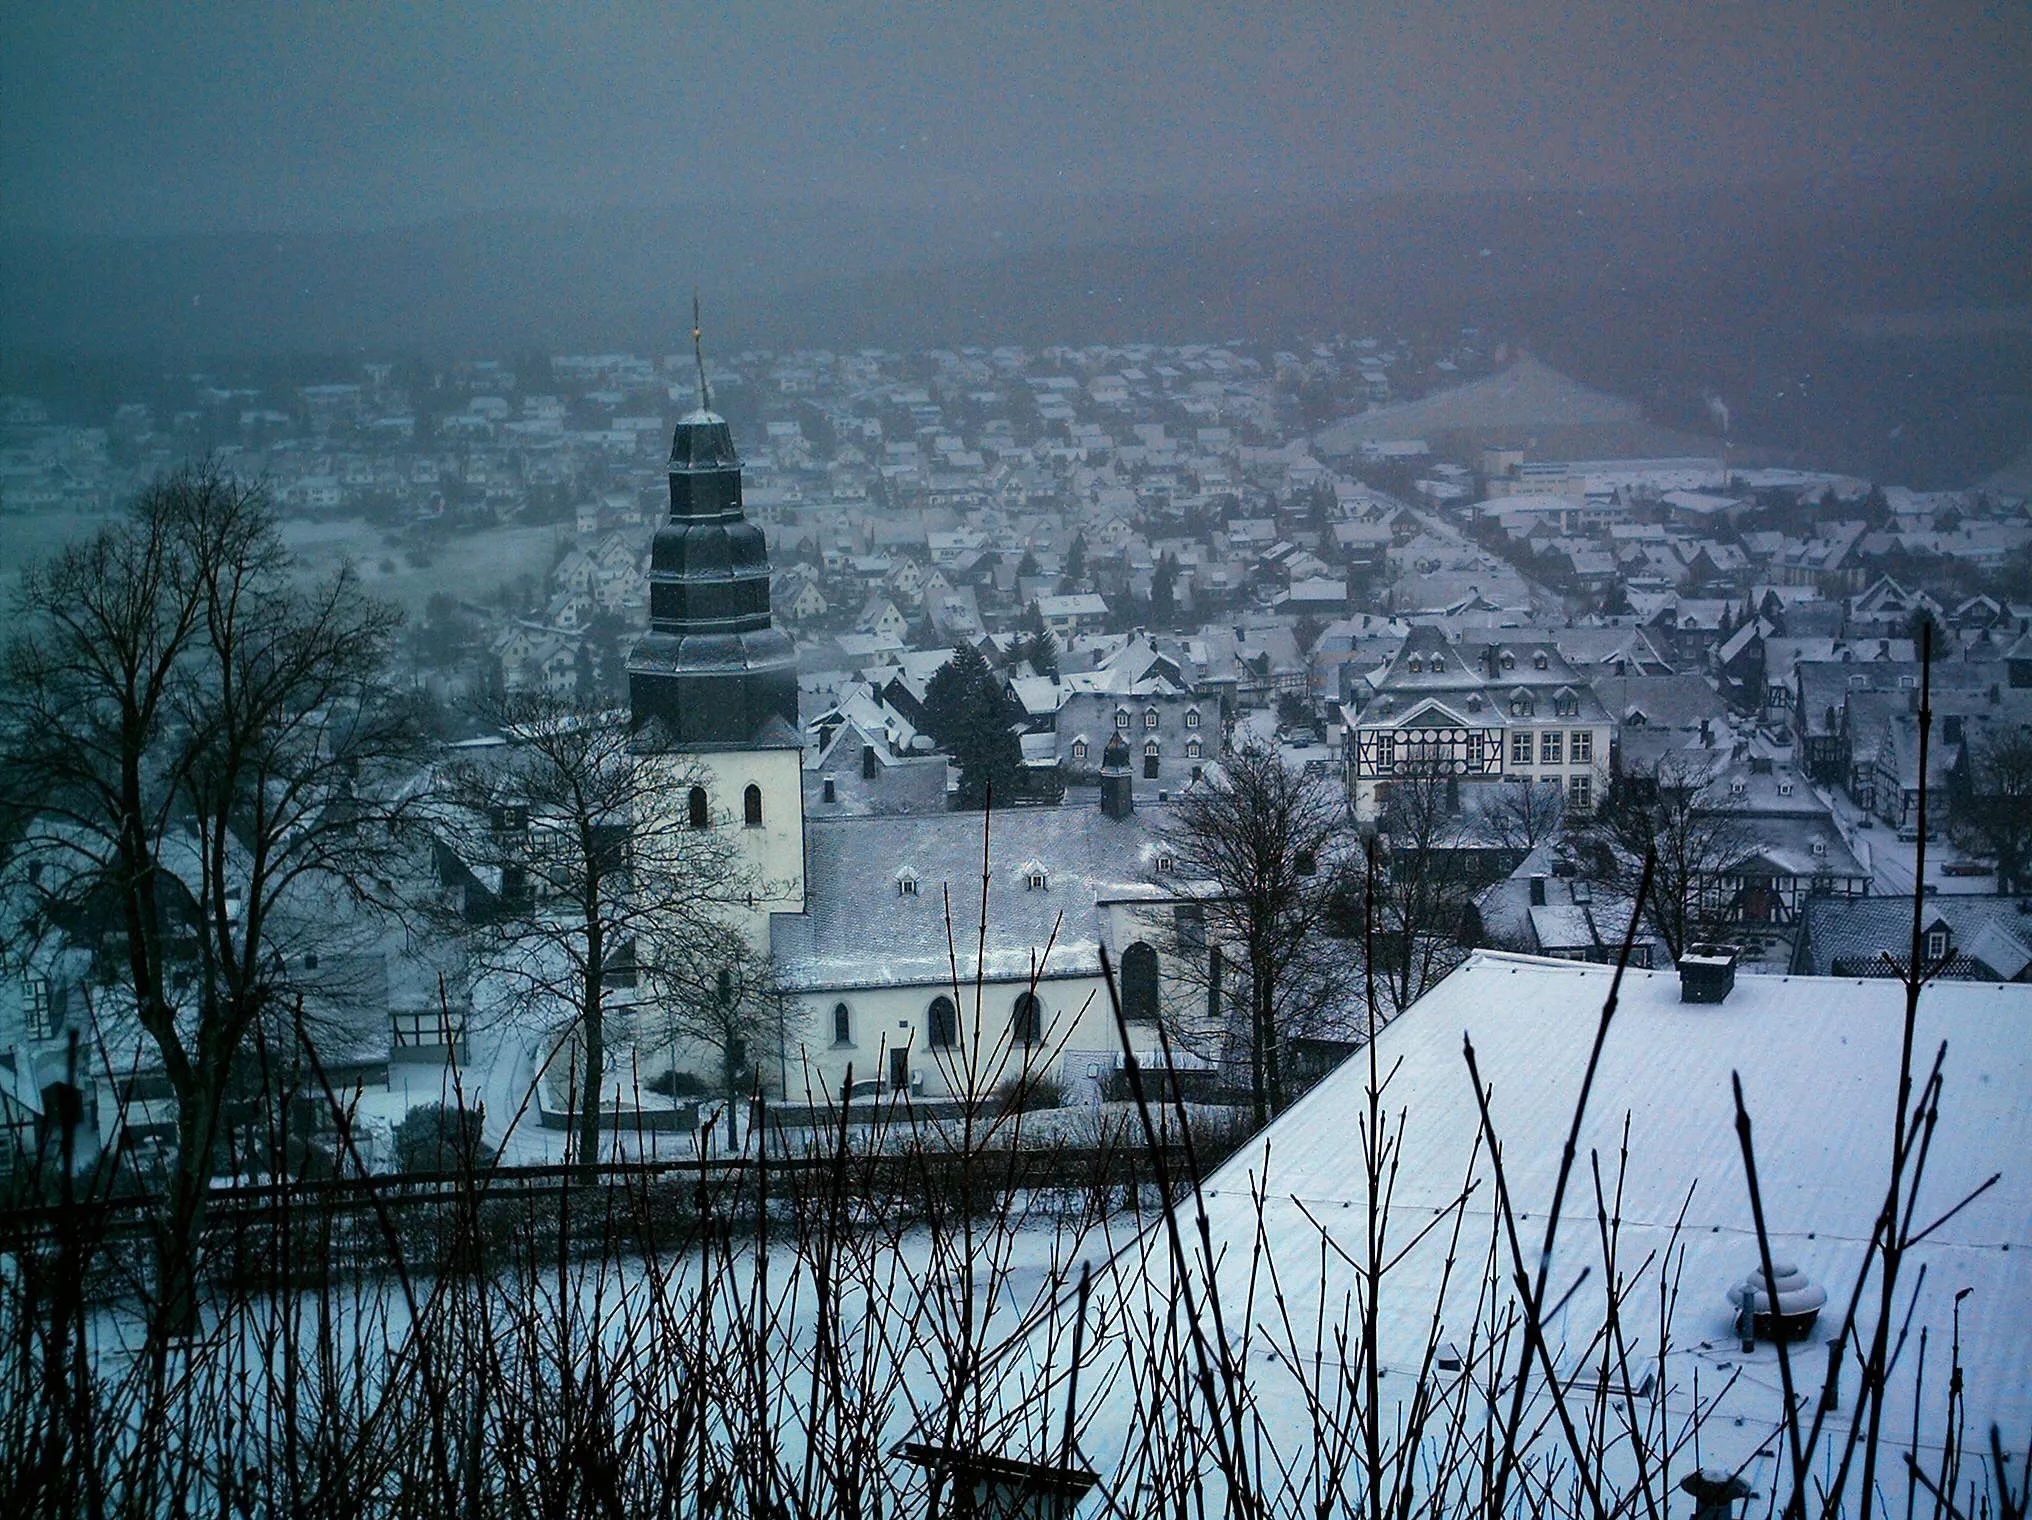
[711, 672]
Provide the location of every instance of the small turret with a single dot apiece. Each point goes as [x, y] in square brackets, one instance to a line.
[1117, 800]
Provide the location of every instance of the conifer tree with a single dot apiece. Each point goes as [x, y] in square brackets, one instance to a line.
[1164, 592]
[973, 719]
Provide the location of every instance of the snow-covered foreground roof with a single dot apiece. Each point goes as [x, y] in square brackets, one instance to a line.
[1819, 1062]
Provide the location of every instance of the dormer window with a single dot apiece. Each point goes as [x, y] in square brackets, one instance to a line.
[1164, 865]
[1192, 750]
[1521, 704]
[1034, 877]
[1079, 749]
[906, 882]
[1509, 660]
[1785, 789]
[1121, 717]
[1416, 665]
[1192, 717]
[1149, 717]
[1539, 662]
[1937, 942]
[1565, 702]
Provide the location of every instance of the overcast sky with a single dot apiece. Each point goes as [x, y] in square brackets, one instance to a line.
[190, 115]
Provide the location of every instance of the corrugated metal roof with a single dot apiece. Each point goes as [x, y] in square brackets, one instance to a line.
[1818, 1060]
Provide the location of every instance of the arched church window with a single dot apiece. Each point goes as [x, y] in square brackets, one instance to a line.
[1026, 1024]
[1139, 983]
[751, 806]
[695, 808]
[843, 1024]
[944, 1020]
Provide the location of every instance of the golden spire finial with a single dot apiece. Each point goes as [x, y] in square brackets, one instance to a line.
[698, 351]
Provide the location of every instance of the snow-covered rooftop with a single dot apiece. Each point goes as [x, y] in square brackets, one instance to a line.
[1819, 1061]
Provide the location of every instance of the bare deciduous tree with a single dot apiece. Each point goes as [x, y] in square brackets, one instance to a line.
[1425, 882]
[1523, 815]
[1671, 814]
[715, 990]
[578, 853]
[1260, 850]
[1992, 804]
[191, 737]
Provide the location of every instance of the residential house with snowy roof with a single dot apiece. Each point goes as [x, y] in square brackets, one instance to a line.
[1479, 711]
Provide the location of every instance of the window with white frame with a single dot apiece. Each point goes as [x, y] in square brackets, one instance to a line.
[1079, 749]
[1192, 717]
[40, 1007]
[1121, 717]
[1583, 746]
[1192, 749]
[1520, 748]
[906, 882]
[1936, 944]
[1149, 717]
[1551, 744]
[1580, 793]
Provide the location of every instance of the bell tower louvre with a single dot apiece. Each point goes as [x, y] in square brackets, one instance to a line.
[712, 672]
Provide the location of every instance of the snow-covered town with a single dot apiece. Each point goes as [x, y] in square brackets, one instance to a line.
[879, 760]
[929, 710]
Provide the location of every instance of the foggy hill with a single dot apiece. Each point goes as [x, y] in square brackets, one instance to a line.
[1785, 303]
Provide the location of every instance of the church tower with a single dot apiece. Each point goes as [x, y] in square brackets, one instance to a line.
[713, 683]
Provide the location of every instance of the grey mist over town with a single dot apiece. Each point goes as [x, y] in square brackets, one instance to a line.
[903, 759]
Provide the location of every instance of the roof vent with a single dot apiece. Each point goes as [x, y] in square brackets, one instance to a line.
[830, 790]
[1782, 1308]
[1707, 973]
[1715, 1492]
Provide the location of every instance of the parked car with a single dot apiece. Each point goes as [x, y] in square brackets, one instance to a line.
[1910, 835]
[1966, 868]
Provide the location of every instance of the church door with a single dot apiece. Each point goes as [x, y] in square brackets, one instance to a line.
[899, 1067]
